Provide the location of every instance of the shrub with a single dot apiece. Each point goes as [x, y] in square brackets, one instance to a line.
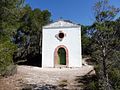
[6, 57]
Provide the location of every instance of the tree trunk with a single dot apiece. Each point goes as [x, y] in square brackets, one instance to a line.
[104, 74]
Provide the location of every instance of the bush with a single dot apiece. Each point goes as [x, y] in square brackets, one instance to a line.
[8, 70]
[92, 86]
[114, 76]
[6, 57]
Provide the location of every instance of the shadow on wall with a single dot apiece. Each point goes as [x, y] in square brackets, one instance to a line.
[32, 60]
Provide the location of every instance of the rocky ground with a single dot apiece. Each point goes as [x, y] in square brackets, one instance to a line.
[35, 78]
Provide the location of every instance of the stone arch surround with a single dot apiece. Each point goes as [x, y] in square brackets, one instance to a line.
[56, 55]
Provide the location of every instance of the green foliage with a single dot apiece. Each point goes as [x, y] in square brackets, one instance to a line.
[6, 51]
[9, 15]
[92, 85]
[31, 23]
[114, 76]
[104, 11]
[86, 41]
[89, 82]
[106, 42]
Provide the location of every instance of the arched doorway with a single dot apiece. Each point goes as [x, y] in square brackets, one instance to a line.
[61, 56]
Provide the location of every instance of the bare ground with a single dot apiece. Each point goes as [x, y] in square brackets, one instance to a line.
[28, 77]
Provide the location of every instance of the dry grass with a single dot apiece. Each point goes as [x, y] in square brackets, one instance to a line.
[63, 83]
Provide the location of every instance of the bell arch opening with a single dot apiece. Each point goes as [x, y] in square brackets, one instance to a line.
[61, 56]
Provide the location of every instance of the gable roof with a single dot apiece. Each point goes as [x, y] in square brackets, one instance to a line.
[61, 24]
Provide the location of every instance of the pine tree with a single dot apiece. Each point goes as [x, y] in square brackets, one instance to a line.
[106, 42]
[9, 16]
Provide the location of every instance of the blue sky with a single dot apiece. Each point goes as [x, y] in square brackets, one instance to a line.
[79, 11]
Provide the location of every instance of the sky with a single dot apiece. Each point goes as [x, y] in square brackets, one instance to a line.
[78, 11]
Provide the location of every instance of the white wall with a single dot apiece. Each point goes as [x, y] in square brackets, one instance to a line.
[72, 41]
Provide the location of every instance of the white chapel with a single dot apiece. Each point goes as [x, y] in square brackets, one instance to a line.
[61, 46]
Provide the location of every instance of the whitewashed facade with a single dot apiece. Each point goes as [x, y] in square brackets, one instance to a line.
[65, 35]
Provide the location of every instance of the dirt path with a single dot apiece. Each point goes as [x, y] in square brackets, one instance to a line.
[64, 77]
